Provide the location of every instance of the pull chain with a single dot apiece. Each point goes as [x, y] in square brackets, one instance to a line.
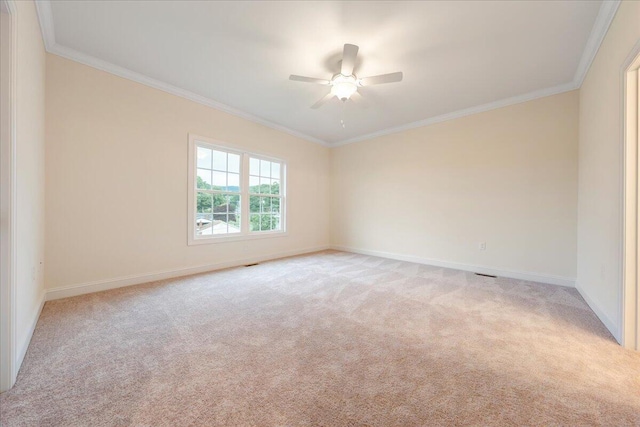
[344, 104]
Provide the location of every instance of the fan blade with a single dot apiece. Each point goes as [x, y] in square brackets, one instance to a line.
[357, 97]
[322, 101]
[349, 55]
[383, 78]
[309, 79]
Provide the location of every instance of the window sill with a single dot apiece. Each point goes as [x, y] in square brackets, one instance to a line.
[235, 238]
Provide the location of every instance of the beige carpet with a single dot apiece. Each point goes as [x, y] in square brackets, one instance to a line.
[329, 339]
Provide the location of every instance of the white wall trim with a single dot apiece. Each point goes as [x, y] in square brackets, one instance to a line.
[125, 73]
[630, 312]
[607, 12]
[608, 323]
[45, 16]
[465, 112]
[603, 21]
[8, 294]
[532, 277]
[24, 346]
[119, 282]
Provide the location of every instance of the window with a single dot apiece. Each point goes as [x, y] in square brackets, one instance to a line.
[264, 194]
[233, 194]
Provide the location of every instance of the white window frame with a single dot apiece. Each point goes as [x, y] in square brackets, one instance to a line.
[245, 232]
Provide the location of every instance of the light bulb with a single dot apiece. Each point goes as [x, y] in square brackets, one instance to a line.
[343, 86]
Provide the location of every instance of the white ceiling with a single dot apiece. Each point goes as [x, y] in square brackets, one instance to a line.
[455, 55]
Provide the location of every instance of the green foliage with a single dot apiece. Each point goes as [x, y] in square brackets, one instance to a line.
[217, 203]
[273, 188]
[264, 210]
[264, 222]
[264, 213]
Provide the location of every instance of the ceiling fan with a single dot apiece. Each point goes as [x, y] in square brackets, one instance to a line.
[345, 84]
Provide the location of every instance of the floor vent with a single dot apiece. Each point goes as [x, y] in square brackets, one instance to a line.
[251, 265]
[485, 275]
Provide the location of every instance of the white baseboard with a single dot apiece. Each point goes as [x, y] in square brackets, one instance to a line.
[22, 349]
[103, 285]
[532, 277]
[597, 309]
[119, 282]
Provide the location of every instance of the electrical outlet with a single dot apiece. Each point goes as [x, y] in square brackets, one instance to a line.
[482, 246]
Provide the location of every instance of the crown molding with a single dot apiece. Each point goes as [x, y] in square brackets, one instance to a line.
[465, 112]
[601, 25]
[45, 16]
[125, 73]
[607, 12]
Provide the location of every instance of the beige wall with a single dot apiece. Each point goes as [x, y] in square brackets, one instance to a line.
[116, 173]
[600, 182]
[30, 175]
[507, 177]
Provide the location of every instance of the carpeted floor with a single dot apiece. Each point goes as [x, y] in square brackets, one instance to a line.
[329, 339]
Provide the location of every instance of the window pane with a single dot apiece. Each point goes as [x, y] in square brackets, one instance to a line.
[219, 180]
[254, 184]
[234, 202]
[265, 204]
[265, 213]
[275, 205]
[254, 220]
[254, 204]
[275, 186]
[234, 163]
[233, 182]
[254, 166]
[233, 220]
[266, 222]
[275, 170]
[219, 224]
[219, 160]
[204, 202]
[203, 180]
[220, 203]
[204, 158]
[265, 168]
[226, 214]
[265, 185]
[203, 223]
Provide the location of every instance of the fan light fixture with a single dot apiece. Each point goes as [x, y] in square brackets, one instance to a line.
[344, 86]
